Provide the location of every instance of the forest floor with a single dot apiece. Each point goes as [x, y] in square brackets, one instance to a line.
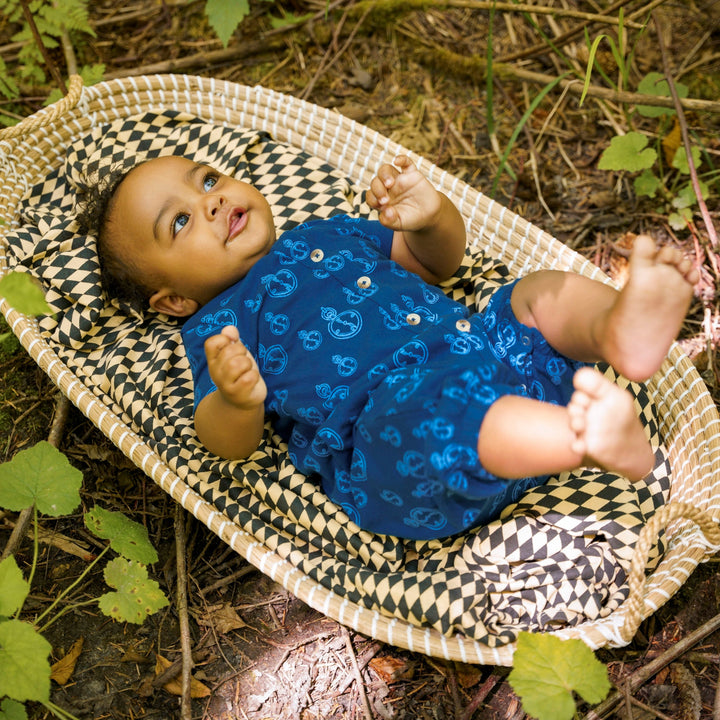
[260, 653]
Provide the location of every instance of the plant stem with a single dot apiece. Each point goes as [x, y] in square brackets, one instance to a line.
[685, 135]
[52, 67]
[67, 608]
[66, 591]
[58, 711]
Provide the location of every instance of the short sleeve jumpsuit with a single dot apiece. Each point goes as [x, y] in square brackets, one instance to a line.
[378, 381]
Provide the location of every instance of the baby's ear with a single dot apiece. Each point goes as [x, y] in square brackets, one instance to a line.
[168, 302]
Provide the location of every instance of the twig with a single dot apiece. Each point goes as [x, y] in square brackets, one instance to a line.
[52, 67]
[480, 696]
[636, 679]
[716, 705]
[358, 676]
[685, 135]
[62, 408]
[475, 66]
[182, 610]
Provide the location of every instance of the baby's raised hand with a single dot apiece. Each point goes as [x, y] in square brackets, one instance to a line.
[404, 197]
[234, 370]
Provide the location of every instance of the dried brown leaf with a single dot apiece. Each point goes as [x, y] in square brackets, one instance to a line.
[174, 686]
[391, 669]
[62, 670]
[223, 618]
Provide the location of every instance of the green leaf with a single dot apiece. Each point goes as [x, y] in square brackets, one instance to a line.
[12, 710]
[225, 15]
[90, 75]
[137, 595]
[628, 152]
[20, 290]
[680, 220]
[654, 83]
[680, 160]
[13, 587]
[647, 184]
[546, 671]
[288, 19]
[24, 666]
[126, 537]
[43, 476]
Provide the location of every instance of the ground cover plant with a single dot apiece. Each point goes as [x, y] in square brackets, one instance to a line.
[491, 92]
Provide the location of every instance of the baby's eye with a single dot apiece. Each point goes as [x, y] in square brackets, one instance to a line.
[179, 223]
[209, 181]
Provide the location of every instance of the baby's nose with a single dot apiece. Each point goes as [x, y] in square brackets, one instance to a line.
[213, 203]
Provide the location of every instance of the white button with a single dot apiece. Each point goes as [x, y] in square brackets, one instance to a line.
[364, 282]
[463, 325]
[413, 319]
[317, 255]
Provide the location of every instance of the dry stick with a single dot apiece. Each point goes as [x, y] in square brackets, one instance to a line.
[324, 68]
[480, 696]
[475, 67]
[58, 423]
[358, 676]
[561, 39]
[685, 135]
[57, 76]
[716, 706]
[182, 609]
[640, 676]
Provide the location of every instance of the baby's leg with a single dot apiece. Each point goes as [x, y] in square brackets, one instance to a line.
[590, 321]
[522, 437]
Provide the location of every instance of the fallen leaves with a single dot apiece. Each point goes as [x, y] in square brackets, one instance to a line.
[62, 670]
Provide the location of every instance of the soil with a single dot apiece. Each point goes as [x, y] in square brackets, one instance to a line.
[259, 652]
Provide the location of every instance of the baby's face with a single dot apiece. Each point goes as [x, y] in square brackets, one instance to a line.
[195, 232]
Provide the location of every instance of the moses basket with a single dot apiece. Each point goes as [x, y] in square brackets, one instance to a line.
[687, 420]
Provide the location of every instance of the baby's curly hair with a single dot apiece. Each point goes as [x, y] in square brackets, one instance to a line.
[120, 276]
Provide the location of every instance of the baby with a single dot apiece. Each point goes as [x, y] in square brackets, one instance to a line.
[421, 418]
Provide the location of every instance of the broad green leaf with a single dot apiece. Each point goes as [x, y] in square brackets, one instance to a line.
[685, 198]
[647, 184]
[13, 587]
[24, 666]
[628, 152]
[12, 710]
[681, 219]
[654, 83]
[126, 537]
[680, 161]
[20, 290]
[137, 595]
[40, 475]
[546, 671]
[225, 15]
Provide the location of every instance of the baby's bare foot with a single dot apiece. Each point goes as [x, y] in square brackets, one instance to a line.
[650, 309]
[608, 432]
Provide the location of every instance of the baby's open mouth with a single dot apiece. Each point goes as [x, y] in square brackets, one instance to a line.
[236, 223]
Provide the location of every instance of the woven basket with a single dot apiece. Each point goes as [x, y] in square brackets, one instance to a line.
[688, 418]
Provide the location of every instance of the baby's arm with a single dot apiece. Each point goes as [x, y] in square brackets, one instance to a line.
[229, 421]
[429, 231]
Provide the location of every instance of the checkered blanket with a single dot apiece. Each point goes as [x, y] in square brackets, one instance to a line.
[558, 557]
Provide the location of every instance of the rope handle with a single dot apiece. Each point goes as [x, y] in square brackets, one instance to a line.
[46, 115]
[634, 605]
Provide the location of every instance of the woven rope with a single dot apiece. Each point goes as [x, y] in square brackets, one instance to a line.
[689, 419]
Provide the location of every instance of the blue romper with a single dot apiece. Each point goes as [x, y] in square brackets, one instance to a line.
[378, 381]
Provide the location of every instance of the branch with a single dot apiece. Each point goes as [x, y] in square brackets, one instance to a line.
[475, 67]
[685, 136]
[52, 67]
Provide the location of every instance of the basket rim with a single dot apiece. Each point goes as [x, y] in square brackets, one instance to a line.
[325, 133]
